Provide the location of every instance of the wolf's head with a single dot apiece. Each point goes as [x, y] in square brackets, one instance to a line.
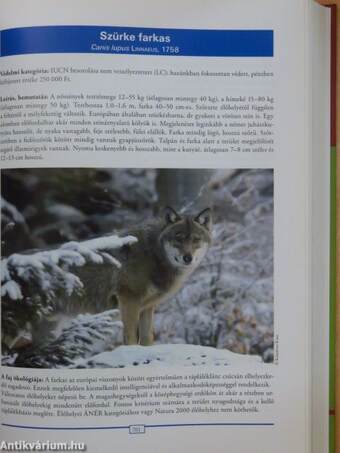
[185, 238]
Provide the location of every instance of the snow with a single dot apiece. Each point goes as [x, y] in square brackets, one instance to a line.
[8, 208]
[12, 289]
[63, 211]
[108, 242]
[92, 333]
[9, 360]
[49, 268]
[166, 355]
[76, 338]
[5, 275]
[89, 248]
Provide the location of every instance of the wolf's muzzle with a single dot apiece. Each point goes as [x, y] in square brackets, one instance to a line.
[187, 259]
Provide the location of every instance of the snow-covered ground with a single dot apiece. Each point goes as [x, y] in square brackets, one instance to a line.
[165, 355]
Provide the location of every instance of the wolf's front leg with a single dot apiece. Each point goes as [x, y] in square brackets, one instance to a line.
[146, 327]
[130, 317]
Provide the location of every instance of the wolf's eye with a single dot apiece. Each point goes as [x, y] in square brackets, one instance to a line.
[179, 237]
[196, 239]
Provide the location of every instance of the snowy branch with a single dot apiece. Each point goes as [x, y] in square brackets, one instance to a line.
[81, 338]
[50, 269]
[32, 285]
[10, 212]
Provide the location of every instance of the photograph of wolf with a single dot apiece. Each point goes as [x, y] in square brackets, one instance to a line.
[111, 268]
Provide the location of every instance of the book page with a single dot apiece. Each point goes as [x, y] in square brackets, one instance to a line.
[156, 225]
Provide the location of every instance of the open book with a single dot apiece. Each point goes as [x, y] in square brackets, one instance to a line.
[166, 223]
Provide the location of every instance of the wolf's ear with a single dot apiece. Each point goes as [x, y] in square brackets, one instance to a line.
[204, 218]
[171, 215]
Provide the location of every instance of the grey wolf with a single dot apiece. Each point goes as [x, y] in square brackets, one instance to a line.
[153, 269]
[156, 267]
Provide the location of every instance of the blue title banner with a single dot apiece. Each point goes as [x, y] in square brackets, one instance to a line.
[138, 41]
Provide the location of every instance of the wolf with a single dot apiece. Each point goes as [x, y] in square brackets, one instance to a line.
[167, 251]
[153, 269]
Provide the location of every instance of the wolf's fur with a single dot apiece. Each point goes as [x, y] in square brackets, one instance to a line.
[153, 269]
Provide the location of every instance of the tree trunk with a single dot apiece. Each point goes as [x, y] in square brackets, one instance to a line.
[185, 190]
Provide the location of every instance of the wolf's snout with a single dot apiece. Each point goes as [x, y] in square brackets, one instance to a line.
[187, 259]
